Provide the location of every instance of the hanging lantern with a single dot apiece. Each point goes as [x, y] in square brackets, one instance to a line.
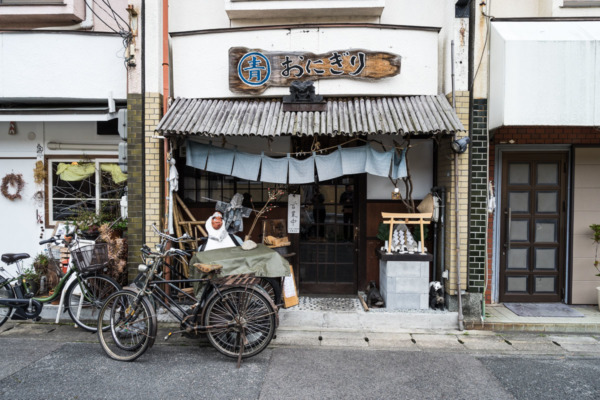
[396, 194]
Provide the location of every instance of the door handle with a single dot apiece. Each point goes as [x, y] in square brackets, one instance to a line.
[508, 224]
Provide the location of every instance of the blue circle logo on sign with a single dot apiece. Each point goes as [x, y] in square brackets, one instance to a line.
[254, 69]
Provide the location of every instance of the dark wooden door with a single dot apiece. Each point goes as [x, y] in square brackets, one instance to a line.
[328, 237]
[533, 230]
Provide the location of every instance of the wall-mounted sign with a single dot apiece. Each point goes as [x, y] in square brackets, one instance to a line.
[255, 70]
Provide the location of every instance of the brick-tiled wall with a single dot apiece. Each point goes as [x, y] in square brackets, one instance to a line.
[154, 167]
[446, 175]
[135, 182]
[532, 135]
[478, 197]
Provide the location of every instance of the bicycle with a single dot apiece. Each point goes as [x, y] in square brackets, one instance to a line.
[85, 291]
[238, 316]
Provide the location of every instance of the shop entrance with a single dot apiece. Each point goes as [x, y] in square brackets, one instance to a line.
[533, 233]
[328, 237]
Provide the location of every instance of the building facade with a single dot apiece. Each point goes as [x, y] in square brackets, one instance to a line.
[64, 79]
[535, 134]
[225, 102]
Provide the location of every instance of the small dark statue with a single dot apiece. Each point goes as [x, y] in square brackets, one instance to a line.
[374, 298]
[436, 296]
[302, 92]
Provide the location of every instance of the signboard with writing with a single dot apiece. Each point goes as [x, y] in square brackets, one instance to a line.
[254, 70]
[293, 213]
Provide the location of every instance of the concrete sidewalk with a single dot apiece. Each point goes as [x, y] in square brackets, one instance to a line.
[305, 318]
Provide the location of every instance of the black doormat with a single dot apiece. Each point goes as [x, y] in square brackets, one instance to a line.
[543, 310]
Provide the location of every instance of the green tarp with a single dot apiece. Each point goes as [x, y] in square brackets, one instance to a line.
[261, 261]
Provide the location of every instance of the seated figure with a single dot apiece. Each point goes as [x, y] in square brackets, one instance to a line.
[218, 237]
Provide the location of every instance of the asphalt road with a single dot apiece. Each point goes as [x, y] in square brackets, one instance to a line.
[59, 362]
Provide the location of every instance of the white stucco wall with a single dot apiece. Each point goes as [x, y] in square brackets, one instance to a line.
[66, 65]
[545, 73]
[586, 191]
[513, 9]
[201, 64]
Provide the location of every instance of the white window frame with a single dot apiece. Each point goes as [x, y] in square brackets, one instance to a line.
[95, 160]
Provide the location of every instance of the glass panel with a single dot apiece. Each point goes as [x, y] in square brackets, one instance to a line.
[189, 196]
[345, 272]
[516, 284]
[545, 259]
[547, 202]
[519, 231]
[518, 201]
[327, 273]
[518, 258]
[545, 231]
[545, 284]
[518, 174]
[547, 174]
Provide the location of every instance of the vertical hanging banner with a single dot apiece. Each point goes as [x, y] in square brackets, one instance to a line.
[253, 71]
[294, 213]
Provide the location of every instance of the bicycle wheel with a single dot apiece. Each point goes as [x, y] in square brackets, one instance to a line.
[84, 298]
[254, 319]
[273, 288]
[131, 326]
[6, 292]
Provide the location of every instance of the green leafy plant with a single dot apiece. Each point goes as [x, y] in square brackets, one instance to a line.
[596, 238]
[31, 275]
[383, 232]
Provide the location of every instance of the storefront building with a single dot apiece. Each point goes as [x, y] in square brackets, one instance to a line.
[541, 120]
[382, 82]
[62, 87]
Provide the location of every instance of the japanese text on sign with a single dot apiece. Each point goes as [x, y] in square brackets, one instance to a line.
[293, 213]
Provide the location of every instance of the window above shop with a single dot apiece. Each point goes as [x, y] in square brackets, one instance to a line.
[20, 14]
[581, 3]
[250, 9]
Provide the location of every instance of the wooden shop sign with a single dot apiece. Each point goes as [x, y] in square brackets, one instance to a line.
[252, 71]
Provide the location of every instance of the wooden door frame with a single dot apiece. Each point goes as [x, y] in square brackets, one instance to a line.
[564, 230]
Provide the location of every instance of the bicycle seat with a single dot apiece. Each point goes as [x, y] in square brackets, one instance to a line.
[10, 258]
[208, 268]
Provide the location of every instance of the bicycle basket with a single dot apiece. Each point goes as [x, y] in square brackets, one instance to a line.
[90, 258]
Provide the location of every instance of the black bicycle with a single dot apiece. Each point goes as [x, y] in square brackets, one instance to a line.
[85, 287]
[237, 315]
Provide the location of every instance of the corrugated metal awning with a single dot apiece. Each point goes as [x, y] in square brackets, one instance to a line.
[414, 115]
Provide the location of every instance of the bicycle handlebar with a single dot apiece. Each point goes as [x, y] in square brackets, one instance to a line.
[185, 236]
[51, 240]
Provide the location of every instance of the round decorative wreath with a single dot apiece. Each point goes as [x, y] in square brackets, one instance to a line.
[14, 181]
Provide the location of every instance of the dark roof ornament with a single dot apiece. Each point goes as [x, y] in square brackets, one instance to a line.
[303, 98]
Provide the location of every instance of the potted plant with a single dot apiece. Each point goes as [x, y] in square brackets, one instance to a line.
[87, 223]
[596, 238]
[32, 277]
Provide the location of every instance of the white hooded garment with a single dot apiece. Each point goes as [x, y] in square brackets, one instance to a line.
[217, 239]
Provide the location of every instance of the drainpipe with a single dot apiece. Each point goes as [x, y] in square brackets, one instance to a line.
[87, 23]
[456, 213]
[166, 93]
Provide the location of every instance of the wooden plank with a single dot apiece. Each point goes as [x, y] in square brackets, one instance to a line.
[252, 71]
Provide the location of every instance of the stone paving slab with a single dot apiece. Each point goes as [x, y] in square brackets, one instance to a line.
[343, 339]
[491, 343]
[297, 338]
[441, 342]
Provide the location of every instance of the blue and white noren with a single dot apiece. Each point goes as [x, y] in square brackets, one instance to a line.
[254, 69]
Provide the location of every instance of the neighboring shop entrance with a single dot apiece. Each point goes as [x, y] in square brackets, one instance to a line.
[328, 237]
[533, 227]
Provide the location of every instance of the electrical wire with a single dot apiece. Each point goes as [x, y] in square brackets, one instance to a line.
[108, 13]
[101, 20]
[116, 14]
